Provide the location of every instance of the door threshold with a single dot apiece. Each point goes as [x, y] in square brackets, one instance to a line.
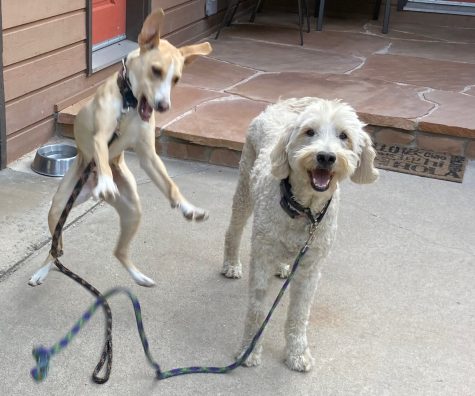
[111, 54]
[441, 7]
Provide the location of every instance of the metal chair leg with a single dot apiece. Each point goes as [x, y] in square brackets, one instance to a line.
[376, 9]
[317, 7]
[230, 20]
[387, 13]
[300, 21]
[254, 11]
[307, 12]
[320, 15]
[230, 11]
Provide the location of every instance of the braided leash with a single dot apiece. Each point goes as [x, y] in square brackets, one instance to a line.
[43, 355]
[106, 355]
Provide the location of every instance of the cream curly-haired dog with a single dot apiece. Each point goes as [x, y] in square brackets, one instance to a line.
[312, 144]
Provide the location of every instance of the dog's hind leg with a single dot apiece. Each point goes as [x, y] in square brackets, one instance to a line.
[242, 209]
[127, 205]
[59, 202]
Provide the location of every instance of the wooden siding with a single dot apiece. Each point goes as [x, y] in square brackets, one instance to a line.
[37, 73]
[31, 108]
[33, 40]
[30, 138]
[44, 56]
[3, 131]
[21, 12]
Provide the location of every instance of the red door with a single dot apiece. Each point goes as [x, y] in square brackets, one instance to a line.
[108, 20]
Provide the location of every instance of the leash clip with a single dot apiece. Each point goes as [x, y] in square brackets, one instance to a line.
[312, 234]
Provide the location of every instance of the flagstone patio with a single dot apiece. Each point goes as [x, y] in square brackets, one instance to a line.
[414, 86]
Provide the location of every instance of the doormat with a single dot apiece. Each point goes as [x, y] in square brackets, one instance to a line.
[420, 162]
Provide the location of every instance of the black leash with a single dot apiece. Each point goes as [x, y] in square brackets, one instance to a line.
[106, 355]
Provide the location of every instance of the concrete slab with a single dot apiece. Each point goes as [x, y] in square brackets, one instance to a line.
[352, 43]
[377, 102]
[25, 200]
[453, 52]
[442, 31]
[449, 116]
[214, 74]
[418, 71]
[277, 58]
[218, 123]
[393, 314]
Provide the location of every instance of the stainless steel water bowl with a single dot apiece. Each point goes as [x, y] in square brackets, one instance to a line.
[54, 159]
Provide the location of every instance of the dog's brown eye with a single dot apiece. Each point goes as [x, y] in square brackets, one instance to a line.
[343, 136]
[310, 132]
[175, 80]
[157, 71]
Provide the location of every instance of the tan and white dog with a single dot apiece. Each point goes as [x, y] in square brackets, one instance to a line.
[305, 147]
[149, 74]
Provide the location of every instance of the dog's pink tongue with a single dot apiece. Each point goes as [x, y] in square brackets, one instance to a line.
[321, 178]
[145, 110]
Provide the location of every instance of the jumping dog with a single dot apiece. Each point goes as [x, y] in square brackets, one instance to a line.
[121, 116]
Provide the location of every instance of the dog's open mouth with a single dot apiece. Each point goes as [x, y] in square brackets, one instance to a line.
[145, 110]
[320, 179]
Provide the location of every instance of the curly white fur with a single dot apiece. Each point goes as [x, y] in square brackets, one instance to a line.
[279, 145]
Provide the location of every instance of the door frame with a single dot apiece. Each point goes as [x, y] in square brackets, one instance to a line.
[136, 12]
[3, 130]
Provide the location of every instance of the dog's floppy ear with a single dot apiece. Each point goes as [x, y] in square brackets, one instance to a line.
[190, 52]
[149, 36]
[365, 172]
[279, 158]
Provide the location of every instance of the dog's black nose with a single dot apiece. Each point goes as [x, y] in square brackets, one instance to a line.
[162, 106]
[326, 160]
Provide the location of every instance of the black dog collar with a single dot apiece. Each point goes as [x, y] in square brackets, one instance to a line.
[128, 98]
[293, 208]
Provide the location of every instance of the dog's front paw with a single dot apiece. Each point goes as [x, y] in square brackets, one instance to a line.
[302, 363]
[254, 359]
[233, 271]
[105, 188]
[191, 212]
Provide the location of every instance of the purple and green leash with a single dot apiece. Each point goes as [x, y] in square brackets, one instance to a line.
[43, 355]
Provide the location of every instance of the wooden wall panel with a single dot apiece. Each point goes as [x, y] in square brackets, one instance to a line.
[37, 73]
[30, 138]
[34, 107]
[42, 37]
[3, 130]
[20, 12]
[183, 15]
[167, 4]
